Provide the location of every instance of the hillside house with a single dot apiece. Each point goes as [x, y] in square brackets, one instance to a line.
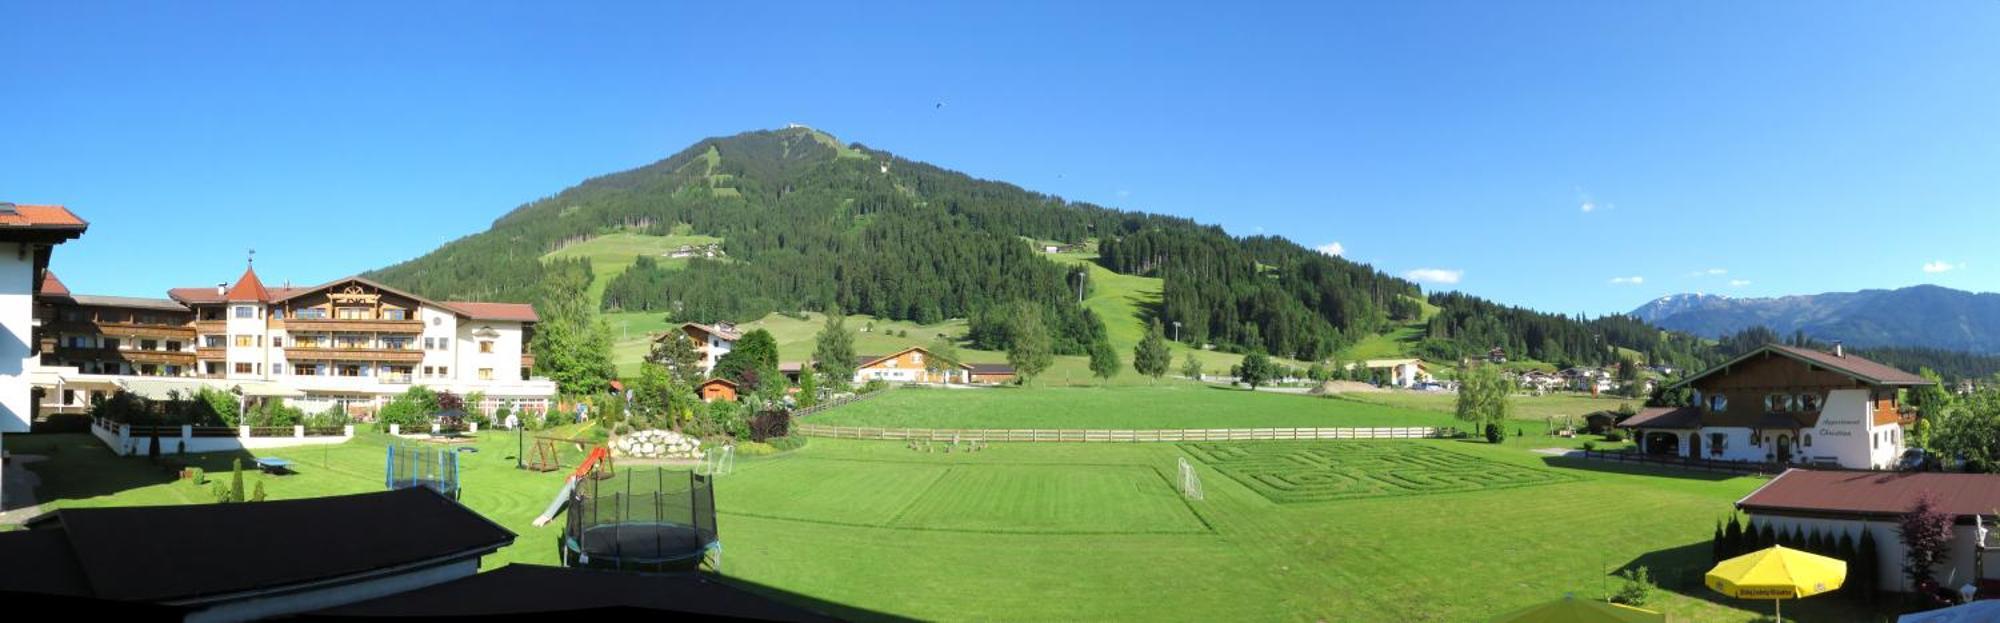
[1782, 404]
[712, 341]
[1404, 373]
[917, 364]
[1835, 502]
[711, 250]
[1496, 355]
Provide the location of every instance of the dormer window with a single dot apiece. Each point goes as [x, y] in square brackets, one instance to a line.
[1718, 403]
[1809, 402]
[1780, 403]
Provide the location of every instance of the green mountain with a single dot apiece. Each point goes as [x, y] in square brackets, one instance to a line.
[808, 223]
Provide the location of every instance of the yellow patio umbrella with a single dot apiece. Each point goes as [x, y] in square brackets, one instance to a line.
[1569, 609]
[1777, 574]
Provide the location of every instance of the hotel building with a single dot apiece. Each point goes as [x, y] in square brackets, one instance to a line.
[350, 341]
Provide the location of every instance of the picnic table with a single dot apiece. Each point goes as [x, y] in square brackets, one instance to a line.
[274, 465]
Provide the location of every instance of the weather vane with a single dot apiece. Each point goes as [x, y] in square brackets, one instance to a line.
[253, 257]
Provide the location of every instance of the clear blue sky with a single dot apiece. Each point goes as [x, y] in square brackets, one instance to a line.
[1794, 147]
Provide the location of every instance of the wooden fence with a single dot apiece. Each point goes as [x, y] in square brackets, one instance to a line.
[850, 399]
[1114, 435]
[1727, 467]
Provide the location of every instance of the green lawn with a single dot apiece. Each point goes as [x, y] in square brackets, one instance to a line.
[1348, 531]
[611, 254]
[1170, 405]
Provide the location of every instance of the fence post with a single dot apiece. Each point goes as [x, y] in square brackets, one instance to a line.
[347, 431]
[299, 431]
[395, 429]
[243, 431]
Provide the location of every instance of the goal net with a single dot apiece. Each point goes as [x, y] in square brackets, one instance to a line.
[717, 461]
[1190, 482]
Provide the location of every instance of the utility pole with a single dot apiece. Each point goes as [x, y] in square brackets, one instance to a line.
[1177, 330]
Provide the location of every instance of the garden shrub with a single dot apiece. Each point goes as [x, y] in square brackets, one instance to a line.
[754, 448]
[1614, 437]
[787, 443]
[1637, 590]
[555, 417]
[769, 424]
[1493, 433]
[1590, 446]
[873, 385]
[331, 417]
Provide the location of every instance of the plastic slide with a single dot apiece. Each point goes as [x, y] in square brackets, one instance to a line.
[569, 486]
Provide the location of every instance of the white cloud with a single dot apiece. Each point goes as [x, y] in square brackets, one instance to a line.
[1738, 283]
[1712, 272]
[1434, 275]
[1942, 266]
[1589, 206]
[1124, 193]
[1332, 248]
[1628, 281]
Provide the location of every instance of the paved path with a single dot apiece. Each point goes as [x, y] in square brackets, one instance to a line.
[18, 504]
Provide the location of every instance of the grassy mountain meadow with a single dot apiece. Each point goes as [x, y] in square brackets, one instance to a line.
[810, 224]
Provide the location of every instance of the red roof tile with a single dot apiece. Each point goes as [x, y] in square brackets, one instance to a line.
[1875, 493]
[41, 216]
[518, 312]
[51, 286]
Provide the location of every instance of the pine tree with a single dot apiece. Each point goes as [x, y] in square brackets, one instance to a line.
[1732, 536]
[1103, 360]
[236, 480]
[1869, 575]
[676, 351]
[753, 359]
[808, 389]
[1151, 357]
[1718, 547]
[833, 352]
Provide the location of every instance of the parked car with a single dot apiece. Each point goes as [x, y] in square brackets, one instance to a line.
[1916, 460]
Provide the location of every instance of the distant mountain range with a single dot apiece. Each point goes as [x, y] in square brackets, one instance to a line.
[1918, 316]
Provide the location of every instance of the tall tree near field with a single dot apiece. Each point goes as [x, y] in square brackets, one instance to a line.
[1926, 534]
[1103, 360]
[572, 345]
[833, 353]
[1482, 397]
[753, 359]
[1255, 370]
[808, 389]
[1030, 351]
[1191, 367]
[1151, 357]
[676, 352]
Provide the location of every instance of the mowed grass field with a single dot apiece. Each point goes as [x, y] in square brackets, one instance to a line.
[1341, 531]
[613, 253]
[1168, 405]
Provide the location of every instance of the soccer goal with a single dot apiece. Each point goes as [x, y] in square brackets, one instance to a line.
[717, 461]
[1190, 482]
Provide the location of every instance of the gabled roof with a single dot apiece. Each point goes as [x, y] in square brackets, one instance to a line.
[730, 333]
[869, 360]
[51, 286]
[991, 368]
[515, 312]
[716, 380]
[1875, 493]
[206, 551]
[1849, 364]
[40, 224]
[129, 302]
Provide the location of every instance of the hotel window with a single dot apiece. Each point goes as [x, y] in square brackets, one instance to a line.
[215, 367]
[245, 311]
[444, 371]
[430, 343]
[351, 341]
[1718, 402]
[485, 374]
[110, 343]
[1777, 403]
[353, 313]
[396, 314]
[212, 341]
[1805, 441]
[173, 345]
[306, 369]
[277, 368]
[1716, 442]
[486, 346]
[348, 370]
[1755, 439]
[430, 371]
[149, 344]
[397, 343]
[444, 343]
[311, 313]
[246, 340]
[242, 368]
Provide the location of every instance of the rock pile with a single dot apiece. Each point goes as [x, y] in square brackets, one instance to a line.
[657, 444]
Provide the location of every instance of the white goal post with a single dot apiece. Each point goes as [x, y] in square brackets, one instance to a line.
[717, 461]
[1190, 481]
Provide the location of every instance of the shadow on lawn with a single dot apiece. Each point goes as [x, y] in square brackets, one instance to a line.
[78, 466]
[1636, 469]
[1681, 570]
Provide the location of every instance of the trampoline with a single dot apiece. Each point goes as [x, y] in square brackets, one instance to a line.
[657, 520]
[422, 466]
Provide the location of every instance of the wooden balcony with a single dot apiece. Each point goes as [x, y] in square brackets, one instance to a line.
[394, 355]
[134, 356]
[183, 332]
[208, 353]
[350, 326]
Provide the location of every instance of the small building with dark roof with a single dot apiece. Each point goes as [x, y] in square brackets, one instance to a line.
[535, 589]
[1844, 502]
[238, 562]
[1786, 405]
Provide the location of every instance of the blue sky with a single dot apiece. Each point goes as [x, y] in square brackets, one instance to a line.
[1542, 154]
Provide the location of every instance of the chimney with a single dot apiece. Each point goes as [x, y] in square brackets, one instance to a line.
[1837, 350]
[221, 289]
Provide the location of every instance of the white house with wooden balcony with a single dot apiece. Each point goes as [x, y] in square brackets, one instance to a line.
[350, 341]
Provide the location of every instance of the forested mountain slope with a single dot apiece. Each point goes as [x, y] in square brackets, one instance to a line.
[809, 223]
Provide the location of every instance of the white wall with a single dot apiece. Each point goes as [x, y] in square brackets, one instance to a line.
[505, 360]
[1954, 572]
[255, 354]
[17, 349]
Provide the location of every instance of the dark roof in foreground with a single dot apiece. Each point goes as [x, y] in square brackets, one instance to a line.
[192, 552]
[518, 588]
[1664, 417]
[1874, 493]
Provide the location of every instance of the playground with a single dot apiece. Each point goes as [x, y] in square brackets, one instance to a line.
[1035, 531]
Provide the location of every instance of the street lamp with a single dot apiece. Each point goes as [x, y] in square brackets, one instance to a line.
[1177, 330]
